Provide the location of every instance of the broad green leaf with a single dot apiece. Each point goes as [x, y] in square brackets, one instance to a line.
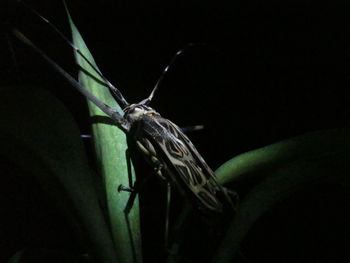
[111, 146]
[310, 145]
[39, 135]
[282, 169]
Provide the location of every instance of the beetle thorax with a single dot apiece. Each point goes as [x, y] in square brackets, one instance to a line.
[135, 112]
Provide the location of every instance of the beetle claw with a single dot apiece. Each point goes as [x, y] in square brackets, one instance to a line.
[126, 189]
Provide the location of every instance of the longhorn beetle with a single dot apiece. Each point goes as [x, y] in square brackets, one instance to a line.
[165, 146]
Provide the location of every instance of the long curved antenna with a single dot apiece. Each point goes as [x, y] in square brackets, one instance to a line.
[165, 70]
[109, 85]
[121, 123]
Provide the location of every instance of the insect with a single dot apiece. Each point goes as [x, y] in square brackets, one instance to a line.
[163, 144]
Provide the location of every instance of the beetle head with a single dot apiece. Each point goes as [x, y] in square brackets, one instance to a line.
[134, 112]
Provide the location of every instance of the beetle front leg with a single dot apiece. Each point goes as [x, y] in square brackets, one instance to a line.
[155, 162]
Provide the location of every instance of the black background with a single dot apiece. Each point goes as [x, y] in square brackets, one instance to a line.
[268, 70]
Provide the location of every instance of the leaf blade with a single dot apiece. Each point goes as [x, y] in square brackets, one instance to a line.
[40, 135]
[110, 145]
[283, 169]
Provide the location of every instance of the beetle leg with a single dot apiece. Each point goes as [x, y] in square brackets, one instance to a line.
[125, 188]
[167, 214]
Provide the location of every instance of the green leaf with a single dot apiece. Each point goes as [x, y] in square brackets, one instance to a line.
[283, 169]
[39, 135]
[310, 145]
[111, 146]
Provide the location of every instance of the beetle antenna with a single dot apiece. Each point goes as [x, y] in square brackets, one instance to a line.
[105, 82]
[165, 71]
[104, 107]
